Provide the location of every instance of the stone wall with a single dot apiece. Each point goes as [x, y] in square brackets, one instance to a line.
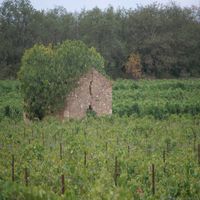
[101, 94]
[93, 90]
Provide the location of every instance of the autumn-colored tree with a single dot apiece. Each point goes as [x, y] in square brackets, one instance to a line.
[133, 66]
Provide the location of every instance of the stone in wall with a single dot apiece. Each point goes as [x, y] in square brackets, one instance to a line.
[93, 91]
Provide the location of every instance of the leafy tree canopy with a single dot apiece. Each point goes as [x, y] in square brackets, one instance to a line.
[165, 36]
[48, 74]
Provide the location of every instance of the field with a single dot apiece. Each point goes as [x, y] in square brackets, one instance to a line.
[155, 124]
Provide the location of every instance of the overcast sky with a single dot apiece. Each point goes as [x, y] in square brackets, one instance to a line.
[77, 5]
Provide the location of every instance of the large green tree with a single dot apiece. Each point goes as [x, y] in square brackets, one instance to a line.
[49, 73]
[15, 34]
[102, 29]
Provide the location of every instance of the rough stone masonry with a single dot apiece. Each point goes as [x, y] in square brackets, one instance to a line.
[94, 92]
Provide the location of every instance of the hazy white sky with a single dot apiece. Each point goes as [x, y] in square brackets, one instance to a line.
[77, 5]
[72, 5]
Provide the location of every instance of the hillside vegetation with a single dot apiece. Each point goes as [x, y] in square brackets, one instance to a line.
[157, 98]
[154, 122]
[11, 103]
[166, 38]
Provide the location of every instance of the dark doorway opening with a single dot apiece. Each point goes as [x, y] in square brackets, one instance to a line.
[90, 108]
[90, 112]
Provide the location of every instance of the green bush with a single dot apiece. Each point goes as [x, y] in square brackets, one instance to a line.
[10, 100]
[49, 73]
[11, 191]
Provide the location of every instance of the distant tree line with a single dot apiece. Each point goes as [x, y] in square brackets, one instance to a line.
[166, 38]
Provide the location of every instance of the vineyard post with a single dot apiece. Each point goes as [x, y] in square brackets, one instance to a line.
[128, 150]
[62, 184]
[164, 160]
[85, 158]
[60, 151]
[55, 139]
[26, 176]
[106, 157]
[43, 138]
[29, 141]
[199, 154]
[194, 142]
[167, 148]
[116, 172]
[153, 179]
[24, 133]
[13, 168]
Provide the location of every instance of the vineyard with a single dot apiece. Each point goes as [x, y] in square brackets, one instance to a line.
[148, 149]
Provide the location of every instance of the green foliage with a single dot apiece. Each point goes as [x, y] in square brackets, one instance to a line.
[90, 113]
[10, 100]
[10, 191]
[103, 139]
[49, 74]
[16, 21]
[165, 36]
[159, 98]
[156, 116]
[37, 77]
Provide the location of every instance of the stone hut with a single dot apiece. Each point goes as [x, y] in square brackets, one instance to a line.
[93, 92]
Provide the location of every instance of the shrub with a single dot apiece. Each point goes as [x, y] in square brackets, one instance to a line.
[49, 73]
[15, 191]
[135, 108]
[157, 111]
[133, 66]
[90, 113]
[10, 100]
